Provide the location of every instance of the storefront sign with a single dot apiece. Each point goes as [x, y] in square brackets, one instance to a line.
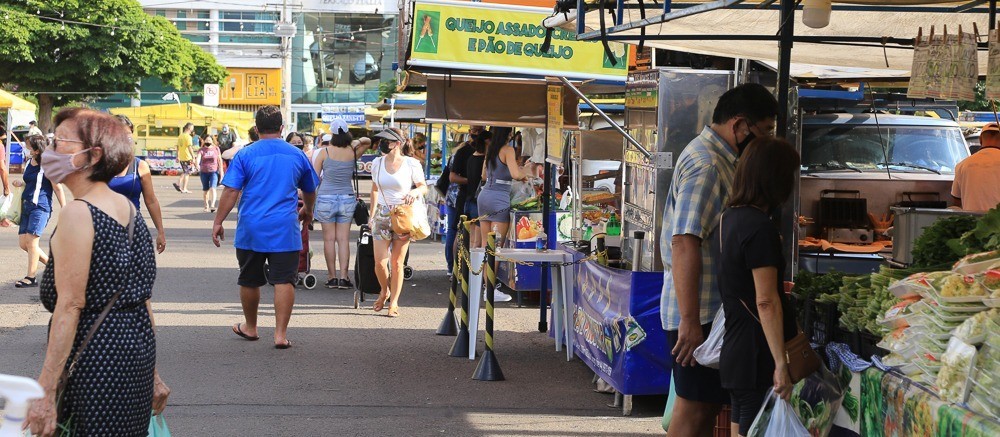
[251, 86]
[354, 115]
[616, 324]
[642, 90]
[505, 38]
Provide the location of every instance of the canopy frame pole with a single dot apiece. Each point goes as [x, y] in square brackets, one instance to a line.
[787, 29]
[601, 113]
[993, 15]
[663, 18]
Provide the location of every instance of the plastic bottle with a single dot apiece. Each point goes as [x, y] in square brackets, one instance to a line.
[541, 242]
[614, 227]
[588, 233]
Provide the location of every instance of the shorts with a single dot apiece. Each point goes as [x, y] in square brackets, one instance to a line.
[335, 208]
[33, 219]
[471, 209]
[745, 406]
[282, 268]
[697, 383]
[209, 180]
[382, 226]
[185, 167]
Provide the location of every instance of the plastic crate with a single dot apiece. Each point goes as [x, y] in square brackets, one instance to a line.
[820, 321]
[868, 346]
[723, 422]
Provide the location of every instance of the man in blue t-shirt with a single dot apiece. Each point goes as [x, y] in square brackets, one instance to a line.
[266, 179]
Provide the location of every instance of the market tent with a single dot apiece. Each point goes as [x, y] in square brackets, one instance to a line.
[699, 33]
[172, 114]
[19, 113]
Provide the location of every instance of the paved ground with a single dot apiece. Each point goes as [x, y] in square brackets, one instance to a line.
[350, 373]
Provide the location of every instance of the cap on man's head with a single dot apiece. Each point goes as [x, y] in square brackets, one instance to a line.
[338, 126]
[390, 135]
[32, 122]
[326, 138]
[991, 127]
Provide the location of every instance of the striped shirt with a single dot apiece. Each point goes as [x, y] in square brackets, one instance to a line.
[702, 182]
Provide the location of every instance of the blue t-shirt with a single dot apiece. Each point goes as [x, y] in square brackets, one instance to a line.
[268, 174]
[31, 180]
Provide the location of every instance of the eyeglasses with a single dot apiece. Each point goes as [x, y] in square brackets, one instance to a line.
[52, 143]
[421, 148]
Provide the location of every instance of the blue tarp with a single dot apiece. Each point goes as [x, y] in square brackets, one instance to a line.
[617, 330]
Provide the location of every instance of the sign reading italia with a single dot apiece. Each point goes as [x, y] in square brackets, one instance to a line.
[505, 38]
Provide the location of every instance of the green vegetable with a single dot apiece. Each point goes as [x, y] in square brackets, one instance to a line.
[942, 242]
[986, 234]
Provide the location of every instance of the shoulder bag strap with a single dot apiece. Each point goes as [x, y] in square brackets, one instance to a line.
[64, 379]
[354, 171]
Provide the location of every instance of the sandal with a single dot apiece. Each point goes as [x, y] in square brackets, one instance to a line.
[27, 282]
[393, 311]
[379, 303]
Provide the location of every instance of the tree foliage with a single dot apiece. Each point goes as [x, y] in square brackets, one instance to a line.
[62, 61]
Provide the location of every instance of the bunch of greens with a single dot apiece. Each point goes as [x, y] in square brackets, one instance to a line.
[812, 285]
[862, 299]
[985, 236]
[942, 242]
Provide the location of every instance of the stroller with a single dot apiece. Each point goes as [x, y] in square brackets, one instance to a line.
[365, 280]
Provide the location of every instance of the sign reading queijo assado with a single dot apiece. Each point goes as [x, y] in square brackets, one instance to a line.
[505, 38]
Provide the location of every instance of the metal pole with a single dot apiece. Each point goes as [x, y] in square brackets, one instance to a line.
[993, 14]
[286, 71]
[787, 29]
[489, 367]
[461, 346]
[613, 123]
[543, 323]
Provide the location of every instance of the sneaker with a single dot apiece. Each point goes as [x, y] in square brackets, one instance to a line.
[333, 283]
[498, 296]
[345, 284]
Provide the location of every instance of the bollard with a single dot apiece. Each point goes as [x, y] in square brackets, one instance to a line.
[489, 367]
[461, 346]
[602, 254]
[449, 326]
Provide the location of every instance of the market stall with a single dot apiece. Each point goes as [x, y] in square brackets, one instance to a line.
[157, 128]
[19, 112]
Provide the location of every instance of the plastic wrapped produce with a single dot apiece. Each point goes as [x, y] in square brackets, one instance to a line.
[952, 378]
[977, 263]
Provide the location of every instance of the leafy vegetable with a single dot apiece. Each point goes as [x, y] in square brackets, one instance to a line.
[986, 234]
[942, 243]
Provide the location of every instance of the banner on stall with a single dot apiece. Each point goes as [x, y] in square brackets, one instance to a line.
[993, 67]
[554, 125]
[944, 67]
[617, 329]
[505, 38]
[352, 114]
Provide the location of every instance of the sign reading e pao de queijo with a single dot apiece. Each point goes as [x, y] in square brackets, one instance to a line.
[491, 37]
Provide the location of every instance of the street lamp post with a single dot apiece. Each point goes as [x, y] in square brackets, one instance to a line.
[286, 29]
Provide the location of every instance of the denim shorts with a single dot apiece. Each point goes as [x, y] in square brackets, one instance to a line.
[335, 208]
[209, 180]
[33, 219]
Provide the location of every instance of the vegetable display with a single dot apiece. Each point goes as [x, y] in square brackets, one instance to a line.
[942, 241]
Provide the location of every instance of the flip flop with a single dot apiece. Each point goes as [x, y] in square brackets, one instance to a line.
[287, 345]
[238, 330]
[177, 187]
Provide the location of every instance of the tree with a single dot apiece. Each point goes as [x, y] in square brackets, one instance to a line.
[102, 46]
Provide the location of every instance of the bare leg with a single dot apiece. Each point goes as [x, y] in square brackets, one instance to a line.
[501, 232]
[213, 198]
[184, 181]
[381, 271]
[330, 249]
[284, 299]
[398, 256]
[34, 254]
[204, 196]
[475, 238]
[250, 298]
[699, 418]
[343, 234]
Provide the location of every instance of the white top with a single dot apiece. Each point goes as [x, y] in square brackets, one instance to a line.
[392, 187]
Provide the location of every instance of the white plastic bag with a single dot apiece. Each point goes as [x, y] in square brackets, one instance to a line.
[708, 353]
[777, 418]
[421, 224]
[10, 206]
[520, 191]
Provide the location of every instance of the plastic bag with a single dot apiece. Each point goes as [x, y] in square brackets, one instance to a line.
[708, 353]
[668, 411]
[420, 222]
[158, 427]
[520, 191]
[777, 418]
[10, 206]
[817, 399]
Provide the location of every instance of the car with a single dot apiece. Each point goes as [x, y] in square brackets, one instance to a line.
[973, 141]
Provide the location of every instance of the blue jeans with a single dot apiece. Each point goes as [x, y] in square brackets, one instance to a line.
[449, 239]
[335, 208]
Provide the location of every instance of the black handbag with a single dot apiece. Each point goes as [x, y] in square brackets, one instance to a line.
[360, 208]
[444, 181]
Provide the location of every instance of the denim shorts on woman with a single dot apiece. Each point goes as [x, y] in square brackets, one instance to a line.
[33, 219]
[335, 208]
[209, 180]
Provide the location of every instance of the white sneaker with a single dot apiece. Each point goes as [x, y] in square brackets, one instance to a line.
[499, 296]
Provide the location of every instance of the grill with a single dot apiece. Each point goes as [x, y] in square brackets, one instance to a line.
[842, 212]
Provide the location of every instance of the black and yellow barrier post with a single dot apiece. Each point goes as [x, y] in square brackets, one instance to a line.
[602, 251]
[489, 367]
[461, 346]
[449, 326]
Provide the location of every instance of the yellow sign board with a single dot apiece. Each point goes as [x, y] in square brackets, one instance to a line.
[251, 86]
[506, 38]
[554, 127]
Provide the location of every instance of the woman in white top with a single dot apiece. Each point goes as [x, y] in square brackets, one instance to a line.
[397, 179]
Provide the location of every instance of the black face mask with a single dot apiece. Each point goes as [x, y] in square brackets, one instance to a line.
[742, 145]
[383, 146]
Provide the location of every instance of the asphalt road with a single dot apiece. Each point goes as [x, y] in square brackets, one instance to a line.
[350, 373]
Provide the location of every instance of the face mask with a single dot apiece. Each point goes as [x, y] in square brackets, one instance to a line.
[59, 165]
[742, 145]
[383, 147]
